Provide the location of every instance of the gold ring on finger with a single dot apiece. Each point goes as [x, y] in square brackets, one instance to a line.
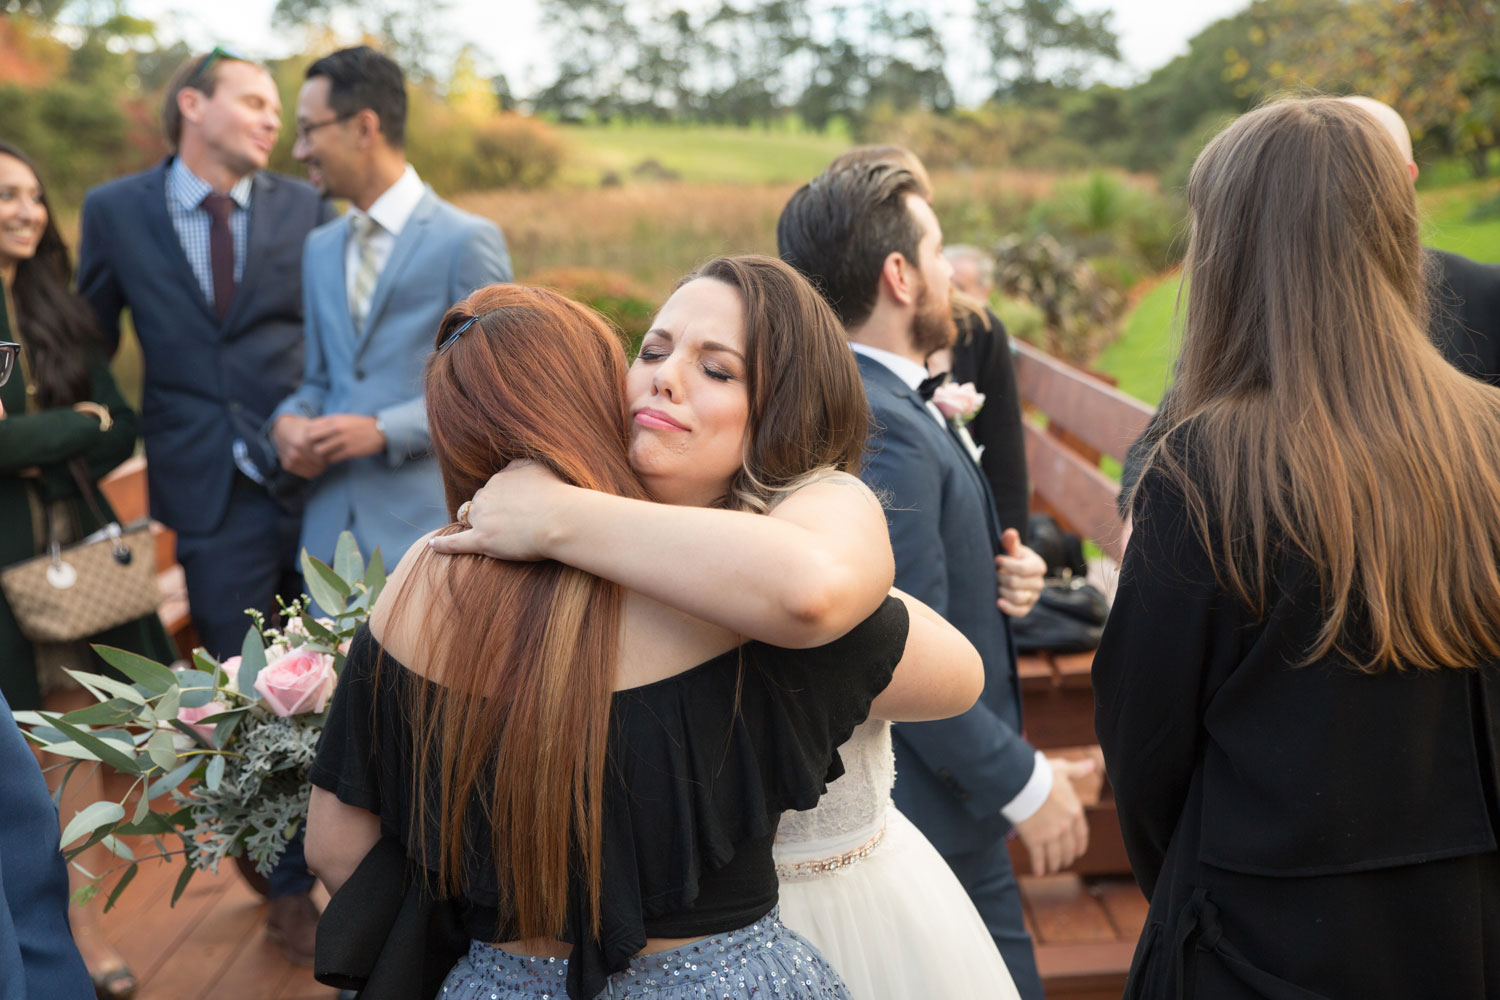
[462, 515]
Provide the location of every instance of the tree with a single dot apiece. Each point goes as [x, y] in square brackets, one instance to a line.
[404, 29]
[1437, 62]
[1035, 42]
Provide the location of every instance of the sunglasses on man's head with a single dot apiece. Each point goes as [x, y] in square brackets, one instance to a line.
[8, 353]
[218, 53]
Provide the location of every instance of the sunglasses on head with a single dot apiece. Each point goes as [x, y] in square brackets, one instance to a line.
[8, 354]
[219, 52]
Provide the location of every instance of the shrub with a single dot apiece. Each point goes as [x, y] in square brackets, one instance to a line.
[1080, 311]
[620, 299]
[513, 150]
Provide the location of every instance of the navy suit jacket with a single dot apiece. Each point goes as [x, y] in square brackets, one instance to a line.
[207, 383]
[37, 955]
[952, 776]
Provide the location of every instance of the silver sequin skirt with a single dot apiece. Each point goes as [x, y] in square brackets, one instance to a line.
[765, 959]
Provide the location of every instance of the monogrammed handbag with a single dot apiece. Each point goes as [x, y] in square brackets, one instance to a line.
[75, 591]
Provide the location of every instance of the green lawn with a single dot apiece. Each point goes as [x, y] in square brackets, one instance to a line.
[700, 153]
[1142, 356]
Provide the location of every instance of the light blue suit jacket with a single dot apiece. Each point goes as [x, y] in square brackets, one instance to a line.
[441, 255]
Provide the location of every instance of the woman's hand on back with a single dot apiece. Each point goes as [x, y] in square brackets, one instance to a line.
[512, 516]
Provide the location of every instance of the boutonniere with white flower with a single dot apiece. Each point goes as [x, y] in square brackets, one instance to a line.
[959, 403]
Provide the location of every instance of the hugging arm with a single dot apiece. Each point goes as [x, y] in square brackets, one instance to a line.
[338, 837]
[802, 576]
[940, 673]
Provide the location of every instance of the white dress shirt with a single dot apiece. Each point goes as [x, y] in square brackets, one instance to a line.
[1034, 793]
[390, 212]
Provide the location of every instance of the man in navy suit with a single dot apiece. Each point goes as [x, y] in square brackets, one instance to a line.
[205, 250]
[376, 284]
[868, 240]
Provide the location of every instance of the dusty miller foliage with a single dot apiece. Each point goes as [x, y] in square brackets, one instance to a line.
[262, 797]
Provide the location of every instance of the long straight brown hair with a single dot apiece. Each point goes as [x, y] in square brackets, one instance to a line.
[1320, 420]
[523, 657]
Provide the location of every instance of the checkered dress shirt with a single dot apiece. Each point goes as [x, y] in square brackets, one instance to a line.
[185, 194]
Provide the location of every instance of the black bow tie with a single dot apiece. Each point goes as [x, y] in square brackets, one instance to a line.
[928, 386]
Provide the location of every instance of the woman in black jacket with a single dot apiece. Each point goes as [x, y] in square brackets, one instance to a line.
[1298, 692]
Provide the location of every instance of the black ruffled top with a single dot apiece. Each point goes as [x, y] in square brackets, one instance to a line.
[702, 764]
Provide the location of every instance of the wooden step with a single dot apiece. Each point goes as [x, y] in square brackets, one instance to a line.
[1085, 931]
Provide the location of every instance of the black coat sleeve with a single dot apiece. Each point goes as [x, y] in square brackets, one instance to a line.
[1163, 640]
[982, 356]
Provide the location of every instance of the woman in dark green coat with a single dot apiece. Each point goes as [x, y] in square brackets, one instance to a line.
[61, 408]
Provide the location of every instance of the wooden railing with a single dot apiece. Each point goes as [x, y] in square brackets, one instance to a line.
[1085, 921]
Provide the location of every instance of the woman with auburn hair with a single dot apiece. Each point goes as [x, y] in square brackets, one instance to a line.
[857, 878]
[582, 772]
[1298, 691]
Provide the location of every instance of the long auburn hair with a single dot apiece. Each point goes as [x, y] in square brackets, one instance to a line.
[1320, 421]
[808, 414]
[59, 331]
[520, 732]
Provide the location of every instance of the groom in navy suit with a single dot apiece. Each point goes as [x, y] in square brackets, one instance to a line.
[869, 241]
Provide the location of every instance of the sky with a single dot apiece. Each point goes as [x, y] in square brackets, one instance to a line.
[1151, 32]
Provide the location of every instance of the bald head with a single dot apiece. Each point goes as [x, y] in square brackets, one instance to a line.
[1386, 117]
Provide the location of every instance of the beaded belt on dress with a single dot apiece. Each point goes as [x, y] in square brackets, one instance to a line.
[822, 866]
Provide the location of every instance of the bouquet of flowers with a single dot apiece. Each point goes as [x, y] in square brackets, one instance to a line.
[219, 752]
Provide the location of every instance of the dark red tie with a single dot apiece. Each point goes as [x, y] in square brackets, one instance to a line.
[221, 251]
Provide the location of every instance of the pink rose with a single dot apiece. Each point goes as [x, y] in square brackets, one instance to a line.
[231, 668]
[957, 402]
[296, 682]
[192, 715]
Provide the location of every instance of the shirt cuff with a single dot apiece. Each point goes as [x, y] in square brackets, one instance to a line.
[1032, 794]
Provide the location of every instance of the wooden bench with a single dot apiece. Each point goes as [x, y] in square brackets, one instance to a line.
[125, 489]
[1085, 921]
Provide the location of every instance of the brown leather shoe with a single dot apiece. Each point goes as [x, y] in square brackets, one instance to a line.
[293, 924]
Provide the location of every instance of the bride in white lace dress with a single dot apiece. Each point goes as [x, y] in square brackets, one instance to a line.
[861, 882]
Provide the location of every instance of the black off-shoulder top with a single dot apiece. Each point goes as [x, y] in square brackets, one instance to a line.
[701, 766]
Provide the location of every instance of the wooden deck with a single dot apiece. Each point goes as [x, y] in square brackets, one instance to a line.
[211, 946]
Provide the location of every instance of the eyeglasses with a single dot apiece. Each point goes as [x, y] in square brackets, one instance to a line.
[8, 354]
[305, 130]
[218, 53]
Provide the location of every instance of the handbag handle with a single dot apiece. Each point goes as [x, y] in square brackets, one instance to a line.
[111, 525]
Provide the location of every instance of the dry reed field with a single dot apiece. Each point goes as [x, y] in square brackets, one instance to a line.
[655, 233]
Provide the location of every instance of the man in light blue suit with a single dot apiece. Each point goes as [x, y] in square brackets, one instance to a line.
[375, 285]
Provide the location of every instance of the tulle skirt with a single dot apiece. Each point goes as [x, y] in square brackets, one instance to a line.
[896, 923]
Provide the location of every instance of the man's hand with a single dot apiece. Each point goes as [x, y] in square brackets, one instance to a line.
[338, 437]
[1021, 574]
[293, 448]
[1057, 834]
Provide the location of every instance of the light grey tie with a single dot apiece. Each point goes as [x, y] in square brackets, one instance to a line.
[363, 230]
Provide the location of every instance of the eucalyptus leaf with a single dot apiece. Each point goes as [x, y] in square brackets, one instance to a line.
[317, 632]
[117, 847]
[115, 711]
[347, 562]
[153, 823]
[162, 751]
[225, 726]
[142, 810]
[125, 879]
[202, 661]
[215, 774]
[375, 574]
[171, 779]
[107, 751]
[28, 718]
[182, 880]
[252, 662]
[196, 688]
[103, 687]
[324, 585]
[90, 818]
[167, 704]
[155, 677]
